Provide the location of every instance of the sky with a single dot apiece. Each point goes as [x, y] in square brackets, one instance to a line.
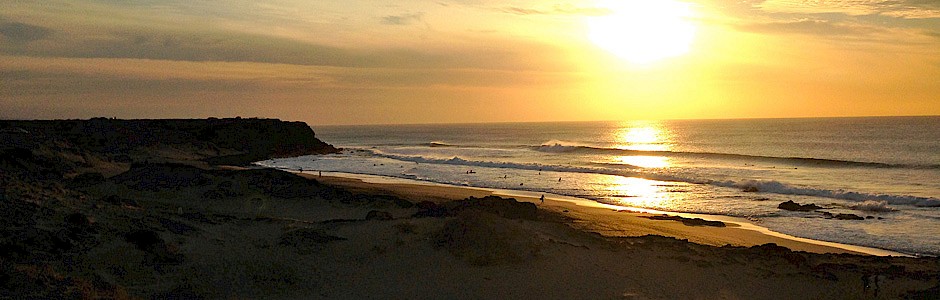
[460, 61]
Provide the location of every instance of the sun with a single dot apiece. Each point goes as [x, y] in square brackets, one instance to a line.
[643, 31]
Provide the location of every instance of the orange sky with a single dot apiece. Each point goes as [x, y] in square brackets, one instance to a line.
[358, 62]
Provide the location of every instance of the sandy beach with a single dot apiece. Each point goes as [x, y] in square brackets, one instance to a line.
[608, 220]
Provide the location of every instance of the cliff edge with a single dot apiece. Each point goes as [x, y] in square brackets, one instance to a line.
[52, 149]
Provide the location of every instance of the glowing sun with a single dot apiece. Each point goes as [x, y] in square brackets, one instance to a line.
[643, 31]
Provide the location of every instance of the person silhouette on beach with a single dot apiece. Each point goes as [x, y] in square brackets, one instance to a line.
[542, 199]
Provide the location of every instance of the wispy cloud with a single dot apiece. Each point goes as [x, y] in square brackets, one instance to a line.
[810, 27]
[560, 9]
[207, 45]
[19, 33]
[402, 19]
[894, 8]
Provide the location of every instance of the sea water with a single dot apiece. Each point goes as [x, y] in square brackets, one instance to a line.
[884, 169]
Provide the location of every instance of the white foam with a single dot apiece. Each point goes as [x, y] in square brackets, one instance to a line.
[771, 186]
[871, 205]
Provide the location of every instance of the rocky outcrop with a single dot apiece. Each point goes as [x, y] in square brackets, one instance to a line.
[51, 149]
[503, 207]
[688, 221]
[829, 215]
[261, 139]
[484, 239]
[157, 249]
[793, 206]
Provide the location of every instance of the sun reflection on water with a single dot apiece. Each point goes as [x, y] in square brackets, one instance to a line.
[649, 136]
[644, 161]
[639, 192]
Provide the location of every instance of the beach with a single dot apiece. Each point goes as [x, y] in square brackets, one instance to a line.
[168, 226]
[607, 220]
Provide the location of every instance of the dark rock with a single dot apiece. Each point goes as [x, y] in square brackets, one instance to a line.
[276, 183]
[78, 232]
[504, 207]
[151, 243]
[774, 250]
[32, 241]
[484, 239]
[78, 221]
[430, 209]
[88, 142]
[793, 206]
[426, 205]
[399, 202]
[26, 164]
[260, 139]
[869, 217]
[847, 217]
[688, 221]
[402, 203]
[145, 240]
[379, 215]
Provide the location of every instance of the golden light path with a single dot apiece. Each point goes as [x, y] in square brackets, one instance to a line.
[639, 192]
[642, 136]
[643, 31]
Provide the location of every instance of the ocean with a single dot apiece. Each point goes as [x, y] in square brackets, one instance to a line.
[883, 169]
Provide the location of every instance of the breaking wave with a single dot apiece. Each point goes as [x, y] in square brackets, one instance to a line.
[564, 147]
[775, 187]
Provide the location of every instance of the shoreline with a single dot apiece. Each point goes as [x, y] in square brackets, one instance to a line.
[605, 219]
